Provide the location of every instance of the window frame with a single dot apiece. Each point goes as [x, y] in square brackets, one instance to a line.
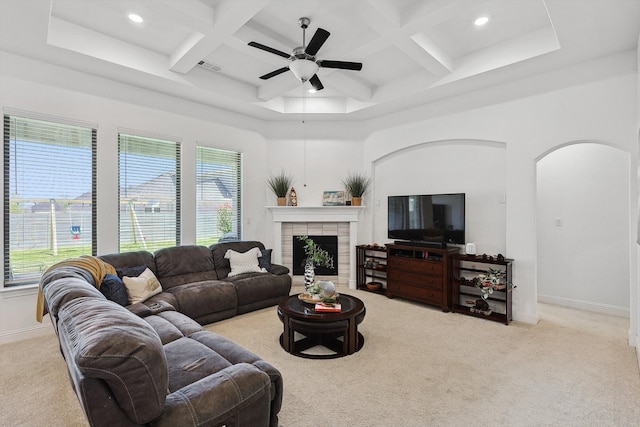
[213, 155]
[133, 137]
[43, 127]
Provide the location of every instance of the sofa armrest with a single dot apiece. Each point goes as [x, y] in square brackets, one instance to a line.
[147, 308]
[279, 269]
[240, 392]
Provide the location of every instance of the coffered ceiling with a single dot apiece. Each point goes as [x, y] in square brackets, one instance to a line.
[413, 51]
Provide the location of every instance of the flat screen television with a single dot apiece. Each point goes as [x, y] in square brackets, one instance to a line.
[434, 219]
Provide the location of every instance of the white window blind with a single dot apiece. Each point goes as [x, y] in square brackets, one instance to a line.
[149, 193]
[49, 195]
[218, 198]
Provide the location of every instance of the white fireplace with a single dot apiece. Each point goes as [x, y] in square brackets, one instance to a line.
[341, 221]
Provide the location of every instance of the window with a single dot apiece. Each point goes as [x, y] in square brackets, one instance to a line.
[49, 195]
[218, 198]
[149, 193]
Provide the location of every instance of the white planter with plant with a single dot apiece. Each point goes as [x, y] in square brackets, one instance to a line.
[316, 256]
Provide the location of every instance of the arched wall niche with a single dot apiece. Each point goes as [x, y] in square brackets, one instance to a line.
[471, 166]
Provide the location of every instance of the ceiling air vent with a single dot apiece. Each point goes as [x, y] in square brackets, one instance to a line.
[209, 66]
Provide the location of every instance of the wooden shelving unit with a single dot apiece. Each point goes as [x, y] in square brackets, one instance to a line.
[371, 267]
[465, 293]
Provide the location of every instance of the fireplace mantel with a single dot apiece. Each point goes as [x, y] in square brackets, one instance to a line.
[286, 214]
[315, 213]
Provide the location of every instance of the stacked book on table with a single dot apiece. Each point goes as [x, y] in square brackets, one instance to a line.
[336, 308]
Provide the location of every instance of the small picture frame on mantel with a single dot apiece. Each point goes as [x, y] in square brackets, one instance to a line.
[333, 198]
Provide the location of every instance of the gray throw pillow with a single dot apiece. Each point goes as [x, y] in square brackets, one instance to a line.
[113, 289]
[265, 260]
[130, 271]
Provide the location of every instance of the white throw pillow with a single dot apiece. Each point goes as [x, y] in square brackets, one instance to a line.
[142, 287]
[246, 262]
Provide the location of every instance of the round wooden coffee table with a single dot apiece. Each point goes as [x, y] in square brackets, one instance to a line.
[336, 331]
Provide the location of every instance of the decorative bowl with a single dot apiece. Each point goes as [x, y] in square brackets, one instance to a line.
[374, 286]
[315, 298]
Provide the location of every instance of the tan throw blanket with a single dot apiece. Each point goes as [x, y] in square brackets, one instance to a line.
[95, 266]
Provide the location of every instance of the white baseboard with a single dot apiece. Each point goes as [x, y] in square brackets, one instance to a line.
[26, 333]
[586, 305]
[530, 319]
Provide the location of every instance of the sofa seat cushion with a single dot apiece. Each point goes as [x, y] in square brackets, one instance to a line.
[236, 354]
[235, 396]
[190, 361]
[201, 298]
[108, 342]
[171, 325]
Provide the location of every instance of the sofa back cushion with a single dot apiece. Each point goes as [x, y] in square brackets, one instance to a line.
[101, 339]
[130, 260]
[219, 250]
[184, 264]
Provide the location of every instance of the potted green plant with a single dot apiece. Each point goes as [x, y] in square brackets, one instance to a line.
[488, 282]
[280, 185]
[316, 256]
[357, 184]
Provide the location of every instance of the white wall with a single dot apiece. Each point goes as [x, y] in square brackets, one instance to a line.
[44, 96]
[476, 168]
[604, 111]
[582, 228]
[316, 165]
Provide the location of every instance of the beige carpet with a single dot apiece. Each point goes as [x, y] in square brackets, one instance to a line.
[418, 367]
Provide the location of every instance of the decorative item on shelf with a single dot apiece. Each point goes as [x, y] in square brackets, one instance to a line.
[293, 197]
[280, 185]
[333, 198]
[488, 282]
[470, 249]
[316, 256]
[374, 286]
[317, 298]
[326, 288]
[357, 185]
[309, 276]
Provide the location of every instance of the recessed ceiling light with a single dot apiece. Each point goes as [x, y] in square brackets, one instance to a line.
[136, 18]
[481, 21]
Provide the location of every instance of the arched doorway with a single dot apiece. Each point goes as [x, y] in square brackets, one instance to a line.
[582, 228]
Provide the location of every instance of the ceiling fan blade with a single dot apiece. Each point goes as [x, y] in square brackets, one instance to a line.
[269, 49]
[315, 82]
[317, 41]
[343, 65]
[275, 73]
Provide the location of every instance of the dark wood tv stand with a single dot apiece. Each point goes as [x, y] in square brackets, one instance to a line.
[420, 273]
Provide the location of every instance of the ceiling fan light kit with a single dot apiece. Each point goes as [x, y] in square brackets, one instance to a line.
[303, 69]
[304, 65]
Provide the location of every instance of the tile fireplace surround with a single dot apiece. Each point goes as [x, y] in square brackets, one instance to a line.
[341, 221]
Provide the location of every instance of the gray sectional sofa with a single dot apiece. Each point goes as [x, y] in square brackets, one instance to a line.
[152, 363]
